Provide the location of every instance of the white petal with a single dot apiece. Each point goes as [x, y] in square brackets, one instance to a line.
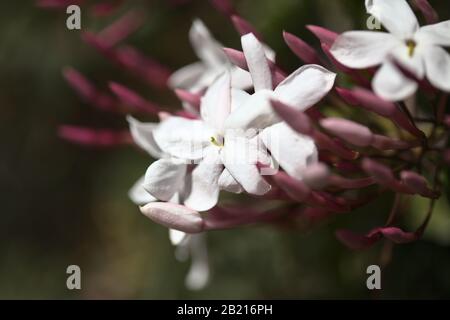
[240, 79]
[228, 183]
[177, 237]
[188, 76]
[240, 156]
[305, 87]
[255, 113]
[257, 62]
[164, 178]
[216, 103]
[363, 49]
[238, 98]
[205, 46]
[390, 84]
[142, 134]
[183, 138]
[412, 63]
[198, 275]
[437, 64]
[437, 34]
[395, 15]
[203, 187]
[293, 151]
[139, 195]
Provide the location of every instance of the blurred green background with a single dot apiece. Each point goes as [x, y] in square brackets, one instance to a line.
[63, 204]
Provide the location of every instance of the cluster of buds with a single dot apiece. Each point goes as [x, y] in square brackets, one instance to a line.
[339, 148]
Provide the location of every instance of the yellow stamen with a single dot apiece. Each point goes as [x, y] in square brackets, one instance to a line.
[411, 47]
[215, 142]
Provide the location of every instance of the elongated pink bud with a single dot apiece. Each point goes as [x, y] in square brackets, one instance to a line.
[236, 57]
[297, 190]
[297, 120]
[368, 100]
[323, 141]
[386, 143]
[417, 183]
[143, 66]
[189, 97]
[132, 99]
[174, 216]
[380, 172]
[325, 36]
[304, 51]
[316, 176]
[224, 6]
[88, 92]
[345, 183]
[122, 28]
[430, 15]
[94, 137]
[243, 27]
[349, 131]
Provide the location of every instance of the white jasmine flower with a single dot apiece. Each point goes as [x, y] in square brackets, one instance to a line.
[418, 49]
[302, 89]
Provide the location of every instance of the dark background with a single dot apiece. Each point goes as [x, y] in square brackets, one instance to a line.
[62, 204]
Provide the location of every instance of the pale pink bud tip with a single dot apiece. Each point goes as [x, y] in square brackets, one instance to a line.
[417, 183]
[316, 176]
[244, 27]
[174, 216]
[189, 97]
[297, 120]
[301, 49]
[325, 36]
[349, 131]
[236, 57]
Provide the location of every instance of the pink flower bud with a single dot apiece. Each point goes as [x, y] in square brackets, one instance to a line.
[236, 57]
[427, 10]
[381, 173]
[174, 216]
[349, 131]
[297, 190]
[325, 36]
[189, 97]
[94, 137]
[132, 99]
[297, 120]
[301, 49]
[121, 28]
[316, 176]
[368, 100]
[243, 27]
[386, 143]
[417, 183]
[355, 241]
[88, 92]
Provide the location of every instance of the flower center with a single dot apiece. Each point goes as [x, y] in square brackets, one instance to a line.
[217, 142]
[411, 44]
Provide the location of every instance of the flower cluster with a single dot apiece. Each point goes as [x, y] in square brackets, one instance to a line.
[247, 126]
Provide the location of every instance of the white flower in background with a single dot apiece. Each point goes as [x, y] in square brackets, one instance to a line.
[213, 62]
[302, 89]
[418, 49]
